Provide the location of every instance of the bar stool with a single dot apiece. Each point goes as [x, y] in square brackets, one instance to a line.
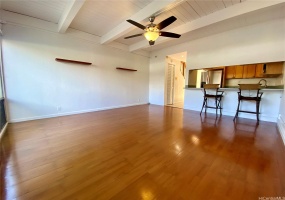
[253, 94]
[211, 91]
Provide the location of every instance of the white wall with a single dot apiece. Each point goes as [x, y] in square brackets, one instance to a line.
[260, 42]
[281, 120]
[216, 77]
[37, 86]
[1, 92]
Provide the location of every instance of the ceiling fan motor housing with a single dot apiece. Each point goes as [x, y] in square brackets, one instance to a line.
[151, 19]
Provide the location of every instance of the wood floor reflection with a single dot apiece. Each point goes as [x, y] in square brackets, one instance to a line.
[142, 152]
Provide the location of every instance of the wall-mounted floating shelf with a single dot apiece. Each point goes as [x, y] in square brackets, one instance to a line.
[73, 61]
[126, 69]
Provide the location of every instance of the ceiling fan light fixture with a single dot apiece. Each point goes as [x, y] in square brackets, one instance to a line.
[151, 36]
[151, 33]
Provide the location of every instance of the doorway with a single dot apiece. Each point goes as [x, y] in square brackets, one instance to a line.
[175, 79]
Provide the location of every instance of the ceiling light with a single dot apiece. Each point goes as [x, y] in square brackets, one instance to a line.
[151, 33]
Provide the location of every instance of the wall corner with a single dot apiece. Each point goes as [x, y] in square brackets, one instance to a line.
[281, 127]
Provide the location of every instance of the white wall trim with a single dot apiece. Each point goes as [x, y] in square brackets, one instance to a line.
[75, 112]
[281, 128]
[3, 130]
[157, 104]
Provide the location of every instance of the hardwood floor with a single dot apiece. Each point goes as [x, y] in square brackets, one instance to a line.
[177, 105]
[142, 152]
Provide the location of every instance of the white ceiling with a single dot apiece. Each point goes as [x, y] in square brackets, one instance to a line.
[248, 19]
[45, 9]
[107, 18]
[98, 17]
[184, 12]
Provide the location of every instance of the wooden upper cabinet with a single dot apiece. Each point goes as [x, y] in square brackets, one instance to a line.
[230, 72]
[234, 71]
[269, 70]
[274, 68]
[259, 71]
[249, 71]
[239, 71]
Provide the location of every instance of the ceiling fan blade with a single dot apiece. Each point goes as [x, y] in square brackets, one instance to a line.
[151, 42]
[136, 24]
[166, 22]
[132, 36]
[168, 34]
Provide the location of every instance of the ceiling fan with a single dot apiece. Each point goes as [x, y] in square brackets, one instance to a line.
[152, 31]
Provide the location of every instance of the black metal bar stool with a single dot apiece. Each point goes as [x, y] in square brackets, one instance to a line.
[211, 91]
[253, 94]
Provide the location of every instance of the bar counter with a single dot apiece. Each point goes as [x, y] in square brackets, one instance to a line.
[269, 106]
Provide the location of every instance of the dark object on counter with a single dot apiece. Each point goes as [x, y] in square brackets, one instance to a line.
[202, 84]
[264, 68]
[251, 89]
[211, 91]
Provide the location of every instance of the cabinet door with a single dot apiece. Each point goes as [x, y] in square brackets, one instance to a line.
[239, 71]
[249, 71]
[259, 71]
[274, 68]
[230, 72]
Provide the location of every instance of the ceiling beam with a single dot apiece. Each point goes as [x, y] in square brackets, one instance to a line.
[154, 8]
[224, 14]
[69, 13]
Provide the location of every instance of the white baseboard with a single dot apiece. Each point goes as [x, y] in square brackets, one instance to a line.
[281, 127]
[3, 130]
[74, 112]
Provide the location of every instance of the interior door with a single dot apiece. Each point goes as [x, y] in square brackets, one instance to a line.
[170, 83]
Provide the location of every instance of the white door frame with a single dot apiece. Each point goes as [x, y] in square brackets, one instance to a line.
[170, 80]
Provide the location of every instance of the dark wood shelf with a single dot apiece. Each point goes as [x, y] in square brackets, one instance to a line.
[126, 69]
[73, 61]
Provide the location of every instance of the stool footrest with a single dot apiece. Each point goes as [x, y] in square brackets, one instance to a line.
[213, 107]
[248, 111]
[256, 98]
